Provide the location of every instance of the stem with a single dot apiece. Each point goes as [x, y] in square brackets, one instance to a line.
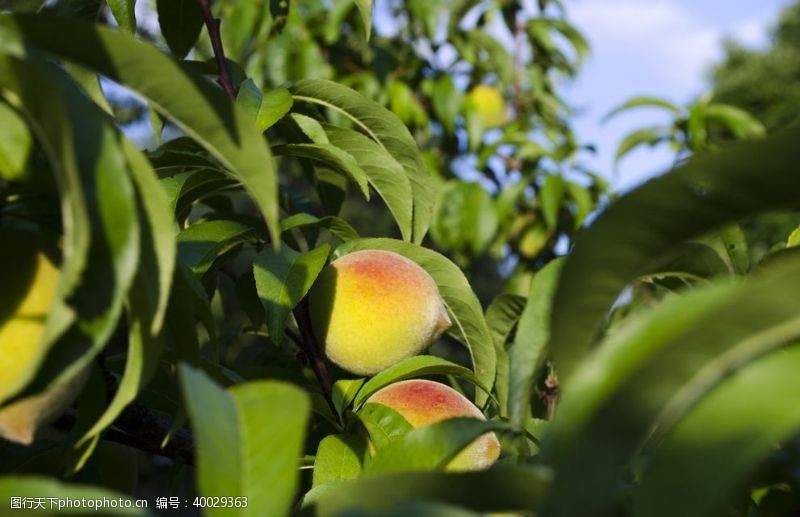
[310, 348]
[212, 25]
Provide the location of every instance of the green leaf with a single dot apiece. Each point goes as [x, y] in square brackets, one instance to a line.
[382, 126]
[645, 102]
[550, 196]
[248, 437]
[337, 226]
[447, 101]
[200, 244]
[584, 203]
[649, 135]
[155, 204]
[15, 144]
[384, 425]
[147, 300]
[502, 316]
[34, 487]
[339, 457]
[430, 447]
[794, 238]
[331, 156]
[413, 367]
[283, 277]
[196, 106]
[275, 105]
[385, 174]
[463, 306]
[741, 123]
[529, 349]
[643, 379]
[465, 219]
[503, 489]
[124, 12]
[365, 8]
[737, 425]
[181, 22]
[642, 226]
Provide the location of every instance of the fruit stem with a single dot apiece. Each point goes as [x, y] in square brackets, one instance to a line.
[212, 26]
[311, 349]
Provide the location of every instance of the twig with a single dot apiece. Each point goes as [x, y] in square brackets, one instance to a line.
[311, 350]
[212, 25]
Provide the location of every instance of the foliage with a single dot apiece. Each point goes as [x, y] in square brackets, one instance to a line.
[618, 377]
[764, 82]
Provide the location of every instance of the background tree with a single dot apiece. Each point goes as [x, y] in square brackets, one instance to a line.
[764, 82]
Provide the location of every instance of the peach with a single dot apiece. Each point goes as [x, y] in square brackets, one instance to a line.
[488, 102]
[371, 309]
[424, 403]
[28, 280]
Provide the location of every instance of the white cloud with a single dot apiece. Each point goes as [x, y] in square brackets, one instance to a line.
[658, 34]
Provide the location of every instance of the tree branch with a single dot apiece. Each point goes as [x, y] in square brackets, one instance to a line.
[212, 25]
[311, 349]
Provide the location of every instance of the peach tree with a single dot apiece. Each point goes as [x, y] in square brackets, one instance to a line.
[243, 311]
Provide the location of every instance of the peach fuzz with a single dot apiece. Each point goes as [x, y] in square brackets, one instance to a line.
[423, 403]
[371, 309]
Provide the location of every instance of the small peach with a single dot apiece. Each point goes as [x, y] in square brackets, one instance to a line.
[371, 309]
[424, 403]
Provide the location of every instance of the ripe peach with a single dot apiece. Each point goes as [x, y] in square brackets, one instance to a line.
[29, 280]
[371, 309]
[488, 102]
[423, 403]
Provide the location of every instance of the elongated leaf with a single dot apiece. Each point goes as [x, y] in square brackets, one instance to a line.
[155, 205]
[382, 126]
[365, 8]
[645, 102]
[385, 174]
[642, 226]
[197, 107]
[413, 367]
[274, 105]
[431, 447]
[529, 349]
[501, 317]
[283, 278]
[653, 370]
[200, 244]
[648, 135]
[501, 489]
[181, 22]
[550, 196]
[248, 437]
[124, 13]
[15, 144]
[331, 156]
[465, 219]
[737, 425]
[337, 226]
[384, 425]
[147, 300]
[56, 495]
[462, 304]
[339, 457]
[741, 123]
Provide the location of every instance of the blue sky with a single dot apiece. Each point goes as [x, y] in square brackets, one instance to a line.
[654, 47]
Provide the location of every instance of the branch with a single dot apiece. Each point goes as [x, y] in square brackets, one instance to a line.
[212, 25]
[310, 348]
